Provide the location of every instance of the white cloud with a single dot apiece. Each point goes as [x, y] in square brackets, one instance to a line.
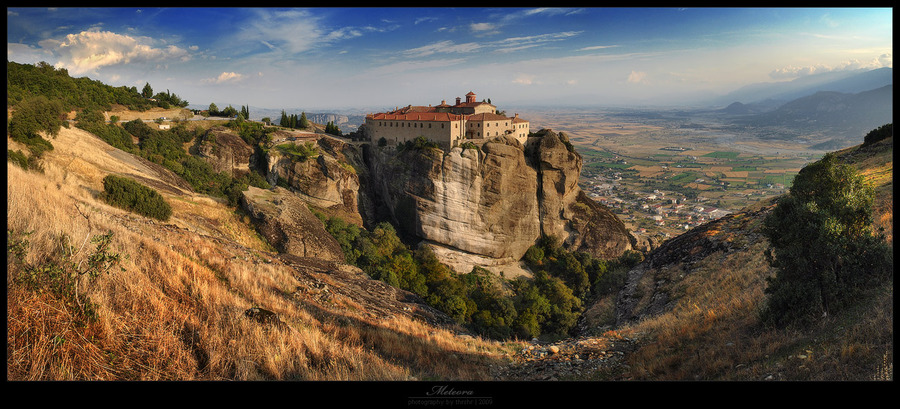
[479, 27]
[883, 60]
[637, 77]
[524, 79]
[225, 77]
[89, 51]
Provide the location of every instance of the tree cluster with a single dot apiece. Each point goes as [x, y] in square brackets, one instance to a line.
[547, 305]
[228, 112]
[166, 148]
[42, 79]
[299, 152]
[92, 120]
[293, 121]
[333, 129]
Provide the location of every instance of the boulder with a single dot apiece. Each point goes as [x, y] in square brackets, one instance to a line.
[286, 222]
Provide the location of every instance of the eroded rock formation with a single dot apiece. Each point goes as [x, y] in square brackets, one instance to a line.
[486, 206]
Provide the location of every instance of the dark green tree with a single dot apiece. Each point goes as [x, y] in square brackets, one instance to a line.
[33, 115]
[147, 92]
[823, 247]
[303, 123]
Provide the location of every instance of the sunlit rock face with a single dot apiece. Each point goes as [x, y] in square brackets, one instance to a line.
[486, 206]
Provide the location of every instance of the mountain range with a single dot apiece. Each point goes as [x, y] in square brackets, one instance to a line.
[773, 93]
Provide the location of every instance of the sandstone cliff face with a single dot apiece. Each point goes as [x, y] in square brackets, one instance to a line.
[328, 181]
[474, 201]
[287, 224]
[487, 206]
[226, 152]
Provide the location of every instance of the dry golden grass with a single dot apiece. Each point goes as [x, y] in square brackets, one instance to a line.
[176, 312]
[703, 335]
[713, 330]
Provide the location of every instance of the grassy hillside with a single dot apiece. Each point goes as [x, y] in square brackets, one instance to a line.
[178, 304]
[694, 303]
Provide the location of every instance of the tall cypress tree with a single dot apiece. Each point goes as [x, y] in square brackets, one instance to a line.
[304, 123]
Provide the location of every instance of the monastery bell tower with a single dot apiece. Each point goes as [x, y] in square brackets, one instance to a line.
[470, 97]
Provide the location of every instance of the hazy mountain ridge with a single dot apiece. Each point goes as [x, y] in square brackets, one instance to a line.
[842, 81]
[833, 113]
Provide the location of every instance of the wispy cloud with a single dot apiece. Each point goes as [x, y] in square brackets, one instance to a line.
[788, 72]
[597, 47]
[446, 46]
[405, 66]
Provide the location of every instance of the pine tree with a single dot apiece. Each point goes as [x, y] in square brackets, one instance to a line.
[304, 123]
[147, 92]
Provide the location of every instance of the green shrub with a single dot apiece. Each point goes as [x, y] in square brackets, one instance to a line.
[823, 248]
[23, 161]
[133, 196]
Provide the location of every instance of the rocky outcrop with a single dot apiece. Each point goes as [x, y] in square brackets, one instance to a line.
[327, 180]
[226, 152]
[286, 223]
[566, 212]
[488, 205]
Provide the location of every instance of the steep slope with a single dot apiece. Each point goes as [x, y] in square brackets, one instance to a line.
[693, 304]
[201, 296]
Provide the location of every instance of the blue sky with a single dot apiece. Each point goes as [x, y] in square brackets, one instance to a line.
[321, 58]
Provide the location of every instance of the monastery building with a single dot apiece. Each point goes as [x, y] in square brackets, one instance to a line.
[448, 125]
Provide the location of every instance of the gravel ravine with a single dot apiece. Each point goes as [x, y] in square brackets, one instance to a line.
[573, 359]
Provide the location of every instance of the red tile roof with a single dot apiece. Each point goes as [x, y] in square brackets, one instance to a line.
[417, 116]
[486, 117]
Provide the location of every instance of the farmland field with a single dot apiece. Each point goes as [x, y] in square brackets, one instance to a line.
[694, 159]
